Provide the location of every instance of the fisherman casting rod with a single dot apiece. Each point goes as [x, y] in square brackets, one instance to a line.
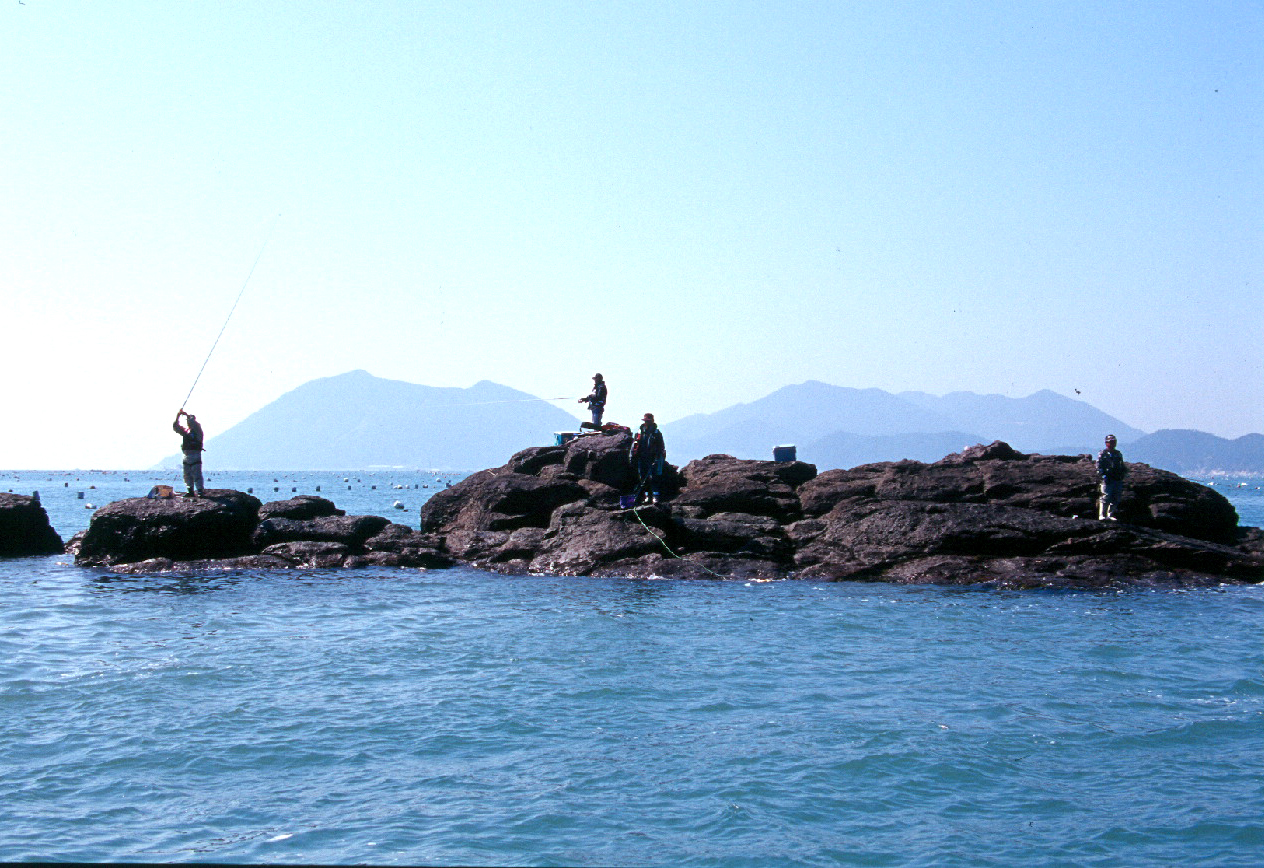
[232, 310]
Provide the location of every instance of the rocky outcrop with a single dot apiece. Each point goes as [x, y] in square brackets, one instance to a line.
[24, 527]
[230, 530]
[987, 515]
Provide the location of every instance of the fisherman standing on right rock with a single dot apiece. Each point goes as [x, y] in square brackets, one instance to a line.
[596, 401]
[1112, 470]
[648, 454]
[191, 446]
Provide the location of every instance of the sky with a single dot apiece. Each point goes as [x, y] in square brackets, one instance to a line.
[705, 201]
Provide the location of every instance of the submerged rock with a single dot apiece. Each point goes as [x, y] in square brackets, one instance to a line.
[24, 528]
[989, 514]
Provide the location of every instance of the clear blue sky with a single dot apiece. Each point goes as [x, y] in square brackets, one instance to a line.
[704, 201]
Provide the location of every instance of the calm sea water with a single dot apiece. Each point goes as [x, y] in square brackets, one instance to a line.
[456, 717]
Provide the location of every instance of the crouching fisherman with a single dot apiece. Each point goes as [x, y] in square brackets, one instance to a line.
[1111, 470]
[191, 446]
[649, 452]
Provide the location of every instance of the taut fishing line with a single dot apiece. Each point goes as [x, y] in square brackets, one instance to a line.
[231, 311]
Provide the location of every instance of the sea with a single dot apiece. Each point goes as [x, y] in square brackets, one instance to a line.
[457, 717]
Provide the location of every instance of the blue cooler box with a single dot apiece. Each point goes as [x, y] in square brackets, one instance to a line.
[783, 453]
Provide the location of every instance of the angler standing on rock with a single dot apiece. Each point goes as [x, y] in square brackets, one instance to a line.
[648, 454]
[191, 446]
[596, 401]
[1112, 470]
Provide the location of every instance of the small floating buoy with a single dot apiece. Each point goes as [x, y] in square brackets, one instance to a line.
[318, 488]
[250, 491]
[293, 489]
[89, 506]
[398, 505]
[275, 488]
[80, 495]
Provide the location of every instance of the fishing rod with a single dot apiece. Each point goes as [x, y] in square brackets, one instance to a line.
[231, 311]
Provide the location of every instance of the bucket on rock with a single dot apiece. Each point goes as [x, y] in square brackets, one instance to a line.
[161, 491]
[627, 501]
[783, 453]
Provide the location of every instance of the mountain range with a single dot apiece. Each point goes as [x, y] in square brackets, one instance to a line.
[358, 421]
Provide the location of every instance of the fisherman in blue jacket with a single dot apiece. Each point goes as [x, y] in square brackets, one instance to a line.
[596, 401]
[1111, 470]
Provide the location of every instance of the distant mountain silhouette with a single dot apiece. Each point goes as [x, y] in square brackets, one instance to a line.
[834, 426]
[356, 421]
[1196, 452]
[852, 450]
[1036, 423]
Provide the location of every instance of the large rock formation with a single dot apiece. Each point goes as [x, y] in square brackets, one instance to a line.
[24, 528]
[989, 514]
[228, 529]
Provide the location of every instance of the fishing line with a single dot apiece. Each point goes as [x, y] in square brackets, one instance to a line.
[636, 511]
[242, 292]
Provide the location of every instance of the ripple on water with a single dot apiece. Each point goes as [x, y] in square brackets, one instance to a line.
[456, 717]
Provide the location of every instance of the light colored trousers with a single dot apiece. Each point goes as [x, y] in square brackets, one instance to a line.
[193, 472]
[1112, 493]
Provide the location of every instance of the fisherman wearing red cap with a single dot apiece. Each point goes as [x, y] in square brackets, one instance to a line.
[649, 452]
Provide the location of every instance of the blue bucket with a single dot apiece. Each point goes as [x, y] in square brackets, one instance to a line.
[627, 501]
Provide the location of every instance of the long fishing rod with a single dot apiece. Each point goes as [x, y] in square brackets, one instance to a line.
[231, 311]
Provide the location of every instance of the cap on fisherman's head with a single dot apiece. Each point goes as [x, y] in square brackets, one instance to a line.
[648, 417]
[1110, 438]
[596, 376]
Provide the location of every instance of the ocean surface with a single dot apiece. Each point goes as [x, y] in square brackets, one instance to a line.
[453, 717]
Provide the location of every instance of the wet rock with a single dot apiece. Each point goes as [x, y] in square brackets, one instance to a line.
[310, 554]
[218, 525]
[299, 508]
[229, 530]
[24, 528]
[350, 530]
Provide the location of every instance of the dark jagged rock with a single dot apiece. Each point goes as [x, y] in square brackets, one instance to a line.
[217, 525]
[24, 528]
[227, 530]
[350, 531]
[300, 508]
[988, 514]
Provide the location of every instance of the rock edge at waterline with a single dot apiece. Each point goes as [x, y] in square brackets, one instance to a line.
[227, 529]
[989, 514]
